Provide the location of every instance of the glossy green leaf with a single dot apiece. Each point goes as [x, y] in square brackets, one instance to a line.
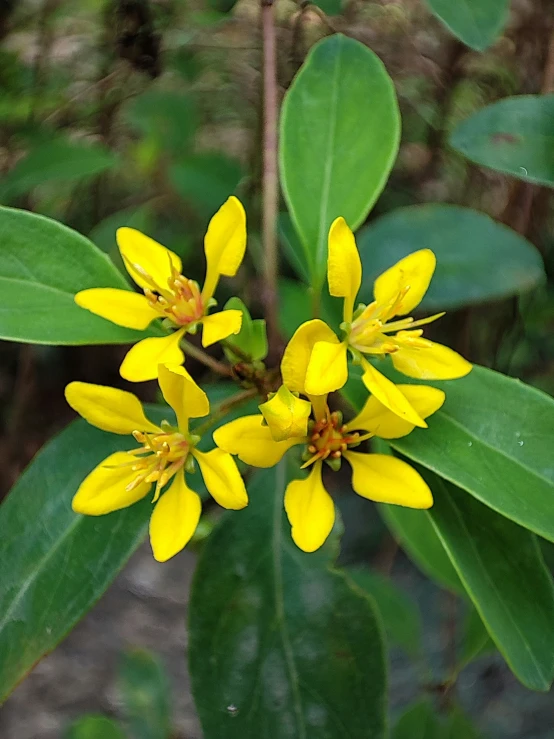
[56, 563]
[56, 160]
[418, 721]
[513, 136]
[340, 129]
[417, 536]
[477, 258]
[503, 572]
[292, 248]
[280, 644]
[399, 614]
[94, 727]
[146, 694]
[475, 22]
[493, 438]
[297, 304]
[42, 265]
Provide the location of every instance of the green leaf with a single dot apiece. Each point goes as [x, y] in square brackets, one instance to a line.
[477, 258]
[459, 726]
[57, 563]
[280, 644]
[250, 344]
[296, 302]
[475, 22]
[206, 179]
[493, 438]
[292, 248]
[94, 727]
[418, 721]
[513, 136]
[503, 572]
[399, 614]
[475, 639]
[146, 693]
[55, 160]
[340, 129]
[168, 119]
[42, 265]
[417, 536]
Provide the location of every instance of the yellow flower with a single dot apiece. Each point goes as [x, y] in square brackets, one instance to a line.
[379, 477]
[165, 454]
[370, 329]
[169, 295]
[286, 415]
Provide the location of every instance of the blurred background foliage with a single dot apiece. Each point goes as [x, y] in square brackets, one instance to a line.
[146, 113]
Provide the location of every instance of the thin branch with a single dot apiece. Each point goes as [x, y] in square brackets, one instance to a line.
[201, 356]
[270, 190]
[224, 408]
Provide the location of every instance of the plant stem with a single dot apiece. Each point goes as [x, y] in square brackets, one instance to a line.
[270, 192]
[223, 409]
[199, 354]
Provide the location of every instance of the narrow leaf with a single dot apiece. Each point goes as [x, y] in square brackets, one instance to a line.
[503, 572]
[418, 721]
[280, 644]
[146, 693]
[94, 727]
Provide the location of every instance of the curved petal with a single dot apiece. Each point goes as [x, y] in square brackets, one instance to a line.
[181, 392]
[344, 268]
[220, 325]
[222, 478]
[252, 442]
[118, 306]
[389, 395]
[310, 510]
[327, 369]
[174, 519]
[426, 360]
[296, 358]
[224, 244]
[104, 489]
[379, 420]
[149, 263]
[413, 274]
[142, 360]
[286, 415]
[108, 408]
[386, 479]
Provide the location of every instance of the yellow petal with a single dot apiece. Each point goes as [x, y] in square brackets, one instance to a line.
[296, 358]
[103, 491]
[414, 272]
[174, 519]
[344, 268]
[310, 510]
[328, 368]
[182, 394]
[386, 479]
[224, 244]
[118, 306]
[286, 415]
[220, 325]
[252, 442]
[389, 395]
[148, 262]
[142, 360]
[379, 420]
[222, 478]
[426, 360]
[108, 408]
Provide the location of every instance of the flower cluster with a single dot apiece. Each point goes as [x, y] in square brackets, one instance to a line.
[315, 363]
